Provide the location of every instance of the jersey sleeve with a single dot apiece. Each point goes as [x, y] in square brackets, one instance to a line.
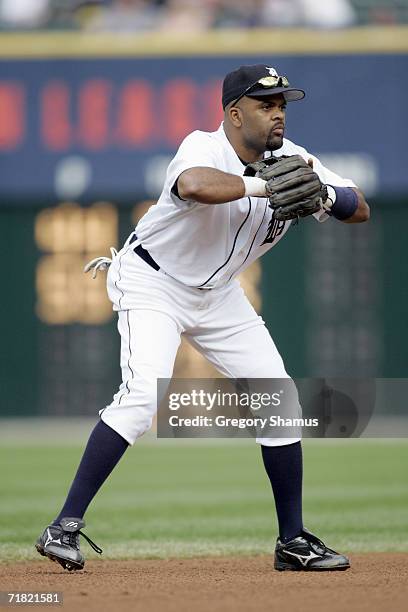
[328, 177]
[197, 150]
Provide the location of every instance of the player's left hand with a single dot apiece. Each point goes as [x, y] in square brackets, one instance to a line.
[293, 188]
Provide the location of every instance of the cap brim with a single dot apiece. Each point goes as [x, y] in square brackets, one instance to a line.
[288, 93]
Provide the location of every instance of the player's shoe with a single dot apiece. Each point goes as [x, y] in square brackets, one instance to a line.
[307, 553]
[60, 543]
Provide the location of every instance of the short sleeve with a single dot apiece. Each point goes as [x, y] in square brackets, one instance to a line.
[197, 150]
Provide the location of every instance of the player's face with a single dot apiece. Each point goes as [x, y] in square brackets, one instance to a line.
[263, 122]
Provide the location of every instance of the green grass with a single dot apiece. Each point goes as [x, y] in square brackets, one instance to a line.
[171, 499]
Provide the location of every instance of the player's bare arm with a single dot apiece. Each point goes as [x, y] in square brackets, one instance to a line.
[210, 186]
[363, 210]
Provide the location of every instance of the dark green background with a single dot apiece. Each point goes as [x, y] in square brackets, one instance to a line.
[286, 272]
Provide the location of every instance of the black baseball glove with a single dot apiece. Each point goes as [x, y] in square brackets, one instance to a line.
[293, 189]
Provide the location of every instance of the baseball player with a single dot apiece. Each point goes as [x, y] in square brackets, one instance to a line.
[229, 196]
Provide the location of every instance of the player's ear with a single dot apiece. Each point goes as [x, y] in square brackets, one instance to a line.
[235, 116]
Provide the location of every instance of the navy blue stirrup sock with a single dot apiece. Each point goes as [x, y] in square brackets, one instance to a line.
[283, 464]
[104, 449]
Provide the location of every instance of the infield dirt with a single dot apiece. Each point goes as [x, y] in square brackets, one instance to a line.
[377, 581]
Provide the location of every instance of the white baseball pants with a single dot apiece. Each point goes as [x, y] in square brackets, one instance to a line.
[154, 310]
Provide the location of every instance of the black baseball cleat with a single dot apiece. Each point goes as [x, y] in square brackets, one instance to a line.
[306, 553]
[60, 543]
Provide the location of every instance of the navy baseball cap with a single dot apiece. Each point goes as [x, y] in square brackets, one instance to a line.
[257, 81]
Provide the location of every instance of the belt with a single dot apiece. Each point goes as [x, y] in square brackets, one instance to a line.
[144, 254]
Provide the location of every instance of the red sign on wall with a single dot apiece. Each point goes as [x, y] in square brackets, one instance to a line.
[98, 114]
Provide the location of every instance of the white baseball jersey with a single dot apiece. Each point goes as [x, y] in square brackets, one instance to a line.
[206, 245]
[196, 246]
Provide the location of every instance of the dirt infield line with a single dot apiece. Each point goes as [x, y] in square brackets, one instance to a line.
[377, 581]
